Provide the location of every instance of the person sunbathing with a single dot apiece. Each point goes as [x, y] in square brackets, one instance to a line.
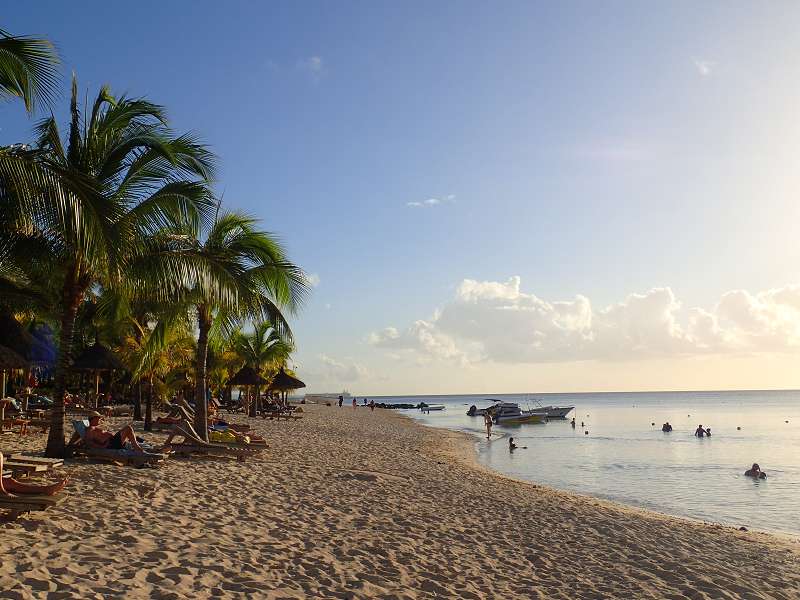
[100, 438]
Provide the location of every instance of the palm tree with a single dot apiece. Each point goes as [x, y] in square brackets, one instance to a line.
[28, 70]
[263, 348]
[90, 205]
[252, 280]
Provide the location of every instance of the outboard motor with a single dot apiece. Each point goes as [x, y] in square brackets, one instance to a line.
[472, 410]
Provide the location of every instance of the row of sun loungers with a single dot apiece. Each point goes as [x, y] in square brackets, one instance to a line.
[17, 469]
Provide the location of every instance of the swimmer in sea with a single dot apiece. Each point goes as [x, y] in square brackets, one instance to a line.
[755, 472]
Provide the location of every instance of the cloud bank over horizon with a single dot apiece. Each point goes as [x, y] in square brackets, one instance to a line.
[498, 322]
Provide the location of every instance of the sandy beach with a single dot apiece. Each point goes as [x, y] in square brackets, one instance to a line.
[358, 504]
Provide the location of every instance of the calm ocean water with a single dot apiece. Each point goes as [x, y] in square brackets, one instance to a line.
[626, 459]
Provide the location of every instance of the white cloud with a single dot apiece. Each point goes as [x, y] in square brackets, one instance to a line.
[338, 371]
[431, 202]
[313, 279]
[704, 67]
[313, 65]
[497, 321]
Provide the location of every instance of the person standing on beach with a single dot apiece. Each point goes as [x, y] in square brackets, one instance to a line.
[372, 405]
[341, 400]
[355, 403]
[487, 418]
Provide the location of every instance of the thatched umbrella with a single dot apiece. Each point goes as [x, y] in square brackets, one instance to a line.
[10, 360]
[247, 376]
[96, 359]
[34, 349]
[283, 382]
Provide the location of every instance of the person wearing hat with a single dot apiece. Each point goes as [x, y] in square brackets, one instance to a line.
[100, 438]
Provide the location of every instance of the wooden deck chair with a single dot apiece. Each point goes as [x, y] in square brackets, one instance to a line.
[17, 504]
[124, 456]
[193, 444]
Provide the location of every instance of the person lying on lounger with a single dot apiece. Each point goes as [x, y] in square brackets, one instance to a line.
[100, 438]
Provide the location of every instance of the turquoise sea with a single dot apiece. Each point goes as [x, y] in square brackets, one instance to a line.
[625, 456]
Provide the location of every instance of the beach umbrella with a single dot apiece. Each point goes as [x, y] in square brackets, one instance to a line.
[96, 359]
[283, 382]
[33, 348]
[247, 376]
[10, 360]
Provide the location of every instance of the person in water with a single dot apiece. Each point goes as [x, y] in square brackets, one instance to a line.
[666, 427]
[572, 422]
[699, 432]
[708, 431]
[487, 419]
[755, 472]
[511, 445]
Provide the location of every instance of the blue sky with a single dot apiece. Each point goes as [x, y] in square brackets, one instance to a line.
[592, 149]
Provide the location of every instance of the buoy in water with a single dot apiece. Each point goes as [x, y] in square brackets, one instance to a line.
[585, 433]
[652, 423]
[787, 421]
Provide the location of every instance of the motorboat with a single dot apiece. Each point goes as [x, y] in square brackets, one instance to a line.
[474, 411]
[426, 408]
[509, 413]
[555, 412]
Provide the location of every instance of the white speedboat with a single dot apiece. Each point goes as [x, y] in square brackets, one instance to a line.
[555, 412]
[510, 413]
[431, 407]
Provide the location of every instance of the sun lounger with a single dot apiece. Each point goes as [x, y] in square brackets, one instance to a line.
[21, 465]
[17, 504]
[192, 444]
[124, 456]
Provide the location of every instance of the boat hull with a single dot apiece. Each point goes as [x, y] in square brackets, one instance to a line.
[520, 419]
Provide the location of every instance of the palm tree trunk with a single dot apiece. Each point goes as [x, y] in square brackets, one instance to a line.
[55, 439]
[200, 404]
[148, 411]
[254, 403]
[137, 403]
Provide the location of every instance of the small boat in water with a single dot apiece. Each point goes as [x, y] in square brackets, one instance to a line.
[429, 407]
[510, 413]
[474, 411]
[555, 412]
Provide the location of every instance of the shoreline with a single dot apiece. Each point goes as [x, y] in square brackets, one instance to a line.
[357, 504]
[471, 460]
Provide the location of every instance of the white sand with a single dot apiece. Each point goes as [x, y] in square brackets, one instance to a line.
[354, 504]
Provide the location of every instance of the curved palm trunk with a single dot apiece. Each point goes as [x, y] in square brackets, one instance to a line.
[200, 404]
[55, 439]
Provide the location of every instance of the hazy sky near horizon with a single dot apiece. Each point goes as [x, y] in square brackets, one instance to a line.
[492, 196]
